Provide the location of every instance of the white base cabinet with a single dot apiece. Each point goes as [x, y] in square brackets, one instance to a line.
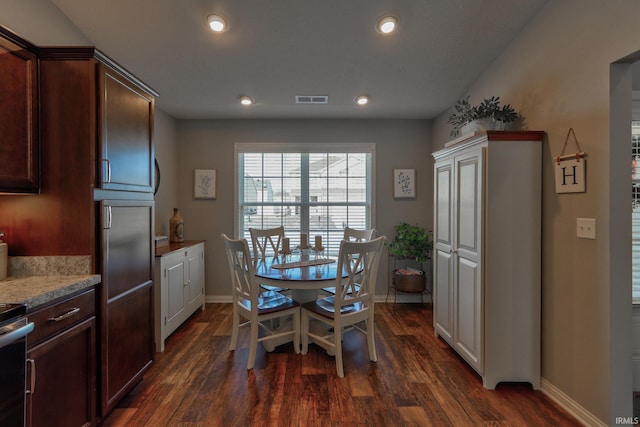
[179, 289]
[487, 253]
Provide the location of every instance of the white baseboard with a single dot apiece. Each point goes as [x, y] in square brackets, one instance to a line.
[569, 405]
[403, 298]
[218, 299]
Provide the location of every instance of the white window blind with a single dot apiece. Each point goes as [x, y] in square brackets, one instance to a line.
[306, 189]
[635, 210]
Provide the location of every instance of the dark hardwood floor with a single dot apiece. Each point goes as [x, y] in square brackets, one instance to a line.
[417, 381]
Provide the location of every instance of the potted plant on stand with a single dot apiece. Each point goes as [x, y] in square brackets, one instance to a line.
[415, 243]
[488, 115]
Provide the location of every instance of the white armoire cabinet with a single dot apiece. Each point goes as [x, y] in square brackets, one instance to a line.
[487, 270]
[179, 289]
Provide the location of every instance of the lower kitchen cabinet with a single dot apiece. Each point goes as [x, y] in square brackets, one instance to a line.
[179, 290]
[61, 359]
[126, 301]
[129, 352]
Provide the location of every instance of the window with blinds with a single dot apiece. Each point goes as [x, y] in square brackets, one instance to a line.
[306, 189]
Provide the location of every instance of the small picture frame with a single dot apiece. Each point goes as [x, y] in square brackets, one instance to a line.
[204, 184]
[570, 175]
[404, 183]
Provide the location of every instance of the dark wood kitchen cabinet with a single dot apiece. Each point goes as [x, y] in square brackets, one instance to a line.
[19, 139]
[108, 108]
[97, 198]
[61, 358]
[96, 126]
[127, 302]
[103, 130]
[125, 143]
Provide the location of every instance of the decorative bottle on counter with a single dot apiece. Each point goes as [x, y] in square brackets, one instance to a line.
[176, 227]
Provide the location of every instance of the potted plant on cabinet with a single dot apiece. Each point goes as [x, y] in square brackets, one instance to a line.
[488, 115]
[415, 243]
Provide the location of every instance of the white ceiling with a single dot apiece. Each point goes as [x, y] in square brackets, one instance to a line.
[274, 50]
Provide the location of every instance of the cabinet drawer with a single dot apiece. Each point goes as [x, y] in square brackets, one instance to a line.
[52, 319]
[174, 258]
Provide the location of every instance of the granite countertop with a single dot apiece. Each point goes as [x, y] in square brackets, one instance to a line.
[38, 280]
[37, 290]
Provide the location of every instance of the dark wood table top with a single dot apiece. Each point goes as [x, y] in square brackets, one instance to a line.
[305, 276]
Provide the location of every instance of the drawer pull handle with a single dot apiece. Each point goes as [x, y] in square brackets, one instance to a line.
[32, 389]
[108, 180]
[65, 315]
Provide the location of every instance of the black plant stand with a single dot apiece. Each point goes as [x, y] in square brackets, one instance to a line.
[420, 284]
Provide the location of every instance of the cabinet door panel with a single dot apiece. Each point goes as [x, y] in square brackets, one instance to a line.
[129, 351]
[176, 290]
[443, 249]
[126, 298]
[127, 241]
[468, 203]
[19, 170]
[443, 310]
[444, 203]
[65, 385]
[195, 271]
[468, 281]
[126, 143]
[468, 311]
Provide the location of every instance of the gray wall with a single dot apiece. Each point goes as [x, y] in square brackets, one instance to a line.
[165, 139]
[210, 145]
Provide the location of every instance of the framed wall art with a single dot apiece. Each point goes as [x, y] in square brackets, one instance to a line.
[404, 183]
[570, 169]
[204, 184]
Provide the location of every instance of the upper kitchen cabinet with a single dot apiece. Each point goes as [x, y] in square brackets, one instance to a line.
[126, 125]
[106, 110]
[19, 139]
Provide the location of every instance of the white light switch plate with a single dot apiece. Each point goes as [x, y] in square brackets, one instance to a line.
[586, 228]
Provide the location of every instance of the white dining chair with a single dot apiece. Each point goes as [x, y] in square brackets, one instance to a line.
[267, 242]
[352, 305]
[257, 307]
[353, 235]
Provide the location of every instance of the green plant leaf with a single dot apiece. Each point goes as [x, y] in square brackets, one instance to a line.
[489, 108]
[411, 242]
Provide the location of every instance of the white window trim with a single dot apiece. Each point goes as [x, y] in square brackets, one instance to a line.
[296, 147]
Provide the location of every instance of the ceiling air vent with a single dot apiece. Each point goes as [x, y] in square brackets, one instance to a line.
[312, 99]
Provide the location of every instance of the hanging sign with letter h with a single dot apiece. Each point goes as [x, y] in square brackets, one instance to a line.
[571, 169]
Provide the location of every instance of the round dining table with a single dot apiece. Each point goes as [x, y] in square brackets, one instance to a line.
[302, 273]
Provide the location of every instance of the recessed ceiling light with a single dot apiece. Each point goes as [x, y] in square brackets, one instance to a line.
[387, 24]
[217, 23]
[362, 99]
[245, 100]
